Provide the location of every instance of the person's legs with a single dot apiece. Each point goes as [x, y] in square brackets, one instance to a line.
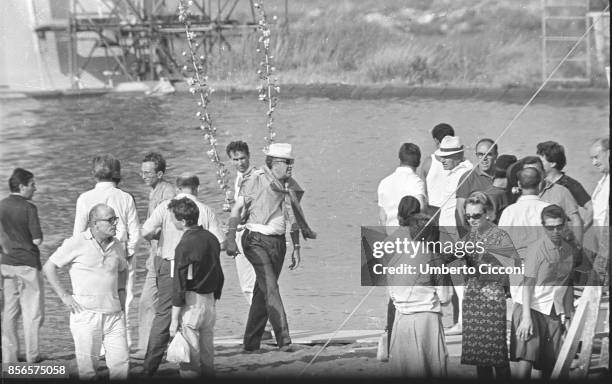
[146, 309]
[390, 321]
[160, 334]
[246, 273]
[266, 254]
[10, 313]
[503, 371]
[484, 372]
[31, 299]
[115, 343]
[86, 328]
[207, 347]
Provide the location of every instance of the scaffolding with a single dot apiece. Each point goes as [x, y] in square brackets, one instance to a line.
[136, 40]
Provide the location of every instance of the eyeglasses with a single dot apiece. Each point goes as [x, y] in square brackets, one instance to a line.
[475, 216]
[557, 228]
[286, 161]
[111, 220]
[481, 154]
[147, 173]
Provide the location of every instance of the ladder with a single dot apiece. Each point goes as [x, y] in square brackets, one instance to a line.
[564, 22]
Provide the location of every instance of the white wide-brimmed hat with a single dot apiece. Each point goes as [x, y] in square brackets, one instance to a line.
[280, 150]
[449, 146]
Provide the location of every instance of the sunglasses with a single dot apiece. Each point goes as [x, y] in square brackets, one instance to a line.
[551, 228]
[286, 161]
[475, 216]
[110, 220]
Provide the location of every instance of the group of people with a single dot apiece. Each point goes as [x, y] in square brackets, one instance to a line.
[184, 276]
[526, 213]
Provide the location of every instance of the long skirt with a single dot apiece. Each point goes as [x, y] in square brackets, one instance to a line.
[417, 346]
[484, 324]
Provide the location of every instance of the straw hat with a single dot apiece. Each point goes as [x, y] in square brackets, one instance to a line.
[449, 146]
[280, 150]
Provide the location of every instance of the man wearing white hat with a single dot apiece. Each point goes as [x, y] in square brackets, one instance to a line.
[451, 154]
[271, 199]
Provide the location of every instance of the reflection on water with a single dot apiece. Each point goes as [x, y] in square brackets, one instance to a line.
[343, 148]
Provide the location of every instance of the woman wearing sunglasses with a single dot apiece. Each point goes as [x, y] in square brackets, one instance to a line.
[484, 305]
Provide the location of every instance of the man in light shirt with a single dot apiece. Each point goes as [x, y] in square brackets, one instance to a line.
[403, 182]
[162, 218]
[98, 273]
[104, 169]
[432, 171]
[600, 158]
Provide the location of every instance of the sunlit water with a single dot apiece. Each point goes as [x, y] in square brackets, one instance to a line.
[343, 149]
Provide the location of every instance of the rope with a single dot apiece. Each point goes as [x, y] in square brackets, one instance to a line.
[506, 129]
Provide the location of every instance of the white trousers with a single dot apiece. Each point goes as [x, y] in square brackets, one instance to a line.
[197, 326]
[90, 330]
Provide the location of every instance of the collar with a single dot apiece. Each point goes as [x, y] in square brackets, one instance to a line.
[16, 194]
[247, 172]
[462, 165]
[89, 236]
[480, 172]
[104, 185]
[405, 169]
[528, 197]
[183, 194]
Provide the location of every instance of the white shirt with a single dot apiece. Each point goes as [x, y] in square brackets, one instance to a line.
[451, 180]
[523, 222]
[600, 201]
[403, 182]
[105, 192]
[435, 180]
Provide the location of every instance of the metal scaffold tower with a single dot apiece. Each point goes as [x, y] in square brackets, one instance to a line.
[135, 40]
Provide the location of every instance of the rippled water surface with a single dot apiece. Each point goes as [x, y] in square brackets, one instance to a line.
[343, 149]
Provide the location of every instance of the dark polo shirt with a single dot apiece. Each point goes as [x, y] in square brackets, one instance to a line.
[476, 181]
[576, 189]
[20, 222]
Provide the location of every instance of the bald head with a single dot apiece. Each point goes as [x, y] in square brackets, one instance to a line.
[100, 211]
[600, 154]
[529, 179]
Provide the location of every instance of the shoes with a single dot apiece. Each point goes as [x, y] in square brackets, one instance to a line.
[454, 330]
[267, 335]
[290, 348]
[251, 351]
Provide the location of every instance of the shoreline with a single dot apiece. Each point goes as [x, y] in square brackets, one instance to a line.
[336, 91]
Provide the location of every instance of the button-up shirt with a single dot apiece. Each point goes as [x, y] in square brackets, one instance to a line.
[550, 266]
[600, 201]
[447, 212]
[523, 222]
[170, 236]
[94, 272]
[403, 182]
[105, 192]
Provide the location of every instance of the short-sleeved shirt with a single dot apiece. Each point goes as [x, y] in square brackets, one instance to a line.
[162, 191]
[601, 204]
[264, 205]
[94, 272]
[170, 236]
[403, 182]
[575, 188]
[19, 219]
[551, 267]
[475, 181]
[559, 195]
[200, 249]
[523, 222]
[447, 211]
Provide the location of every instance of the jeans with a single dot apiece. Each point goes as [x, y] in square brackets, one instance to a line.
[160, 329]
[146, 309]
[197, 323]
[90, 330]
[266, 254]
[23, 293]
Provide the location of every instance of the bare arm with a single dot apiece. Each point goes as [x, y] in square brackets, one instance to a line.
[382, 216]
[425, 167]
[122, 281]
[525, 329]
[461, 210]
[50, 271]
[234, 220]
[587, 215]
[576, 226]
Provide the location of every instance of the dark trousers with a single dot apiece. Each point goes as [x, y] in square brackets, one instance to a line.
[390, 320]
[160, 329]
[486, 372]
[266, 254]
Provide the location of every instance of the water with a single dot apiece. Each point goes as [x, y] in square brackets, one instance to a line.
[343, 149]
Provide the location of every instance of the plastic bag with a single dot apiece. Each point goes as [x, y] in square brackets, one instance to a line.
[178, 350]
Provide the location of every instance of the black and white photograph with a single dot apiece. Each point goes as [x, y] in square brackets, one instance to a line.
[305, 189]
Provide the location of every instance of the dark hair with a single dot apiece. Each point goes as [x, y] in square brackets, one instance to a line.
[503, 163]
[190, 181]
[104, 167]
[529, 160]
[410, 154]
[158, 159]
[553, 152]
[185, 209]
[19, 177]
[408, 206]
[237, 146]
[490, 141]
[479, 198]
[442, 130]
[529, 178]
[553, 212]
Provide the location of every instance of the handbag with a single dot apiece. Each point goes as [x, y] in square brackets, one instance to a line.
[178, 350]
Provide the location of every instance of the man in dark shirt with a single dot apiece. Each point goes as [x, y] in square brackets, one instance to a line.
[21, 268]
[553, 158]
[498, 192]
[198, 280]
